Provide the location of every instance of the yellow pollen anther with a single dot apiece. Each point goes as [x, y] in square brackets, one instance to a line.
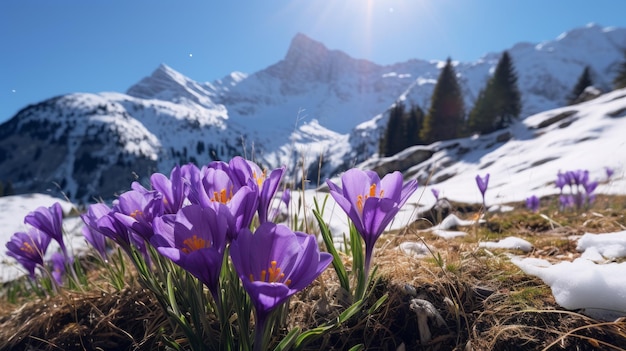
[28, 248]
[259, 179]
[360, 199]
[271, 275]
[372, 190]
[136, 213]
[194, 243]
[222, 196]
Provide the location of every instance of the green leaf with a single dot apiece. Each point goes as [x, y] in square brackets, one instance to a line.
[327, 236]
[358, 262]
[171, 295]
[377, 304]
[315, 333]
[358, 347]
[288, 340]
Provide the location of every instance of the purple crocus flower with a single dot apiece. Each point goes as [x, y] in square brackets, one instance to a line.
[435, 193]
[371, 203]
[216, 188]
[172, 189]
[561, 181]
[285, 198]
[100, 218]
[57, 261]
[195, 240]
[566, 201]
[29, 249]
[590, 187]
[483, 184]
[49, 220]
[532, 203]
[245, 172]
[137, 210]
[97, 240]
[609, 172]
[274, 263]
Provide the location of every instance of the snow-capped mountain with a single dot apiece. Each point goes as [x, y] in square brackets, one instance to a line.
[317, 106]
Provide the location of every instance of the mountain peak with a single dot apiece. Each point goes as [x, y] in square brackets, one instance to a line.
[165, 83]
[303, 46]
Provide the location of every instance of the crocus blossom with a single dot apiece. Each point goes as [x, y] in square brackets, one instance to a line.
[245, 172]
[102, 219]
[483, 184]
[435, 193]
[137, 209]
[172, 189]
[29, 249]
[273, 264]
[195, 241]
[216, 188]
[49, 220]
[370, 202]
[532, 203]
[57, 261]
[97, 240]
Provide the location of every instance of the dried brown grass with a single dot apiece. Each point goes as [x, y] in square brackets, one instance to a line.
[487, 302]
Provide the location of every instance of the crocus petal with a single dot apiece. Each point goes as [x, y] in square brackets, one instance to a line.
[196, 242]
[392, 186]
[270, 185]
[49, 220]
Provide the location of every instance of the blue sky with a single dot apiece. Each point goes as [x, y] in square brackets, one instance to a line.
[48, 48]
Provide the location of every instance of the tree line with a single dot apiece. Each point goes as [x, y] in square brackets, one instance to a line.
[497, 106]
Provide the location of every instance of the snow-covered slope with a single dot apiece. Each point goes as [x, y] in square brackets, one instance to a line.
[524, 160]
[315, 104]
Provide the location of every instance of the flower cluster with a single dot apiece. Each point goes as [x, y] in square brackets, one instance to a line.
[196, 216]
[29, 248]
[205, 241]
[579, 193]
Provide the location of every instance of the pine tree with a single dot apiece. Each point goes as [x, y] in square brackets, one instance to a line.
[414, 125]
[389, 145]
[584, 81]
[402, 129]
[507, 94]
[620, 80]
[446, 112]
[482, 115]
[499, 103]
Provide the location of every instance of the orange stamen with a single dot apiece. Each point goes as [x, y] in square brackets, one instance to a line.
[360, 199]
[136, 213]
[222, 196]
[194, 243]
[274, 276]
[372, 190]
[261, 179]
[28, 248]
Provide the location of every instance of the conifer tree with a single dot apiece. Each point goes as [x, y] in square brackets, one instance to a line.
[584, 81]
[499, 103]
[402, 129]
[414, 125]
[620, 80]
[482, 115]
[389, 145]
[446, 113]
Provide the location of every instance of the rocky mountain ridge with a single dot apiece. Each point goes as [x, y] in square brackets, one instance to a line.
[314, 103]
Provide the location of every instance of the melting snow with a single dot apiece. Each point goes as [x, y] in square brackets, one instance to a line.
[510, 243]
